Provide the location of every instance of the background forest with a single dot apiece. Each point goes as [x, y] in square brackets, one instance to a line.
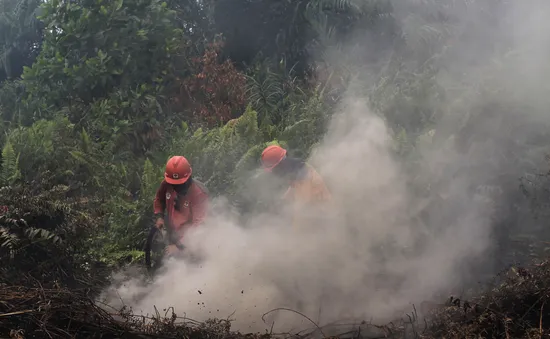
[95, 95]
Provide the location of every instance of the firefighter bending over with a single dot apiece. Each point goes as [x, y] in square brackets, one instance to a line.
[180, 200]
[306, 186]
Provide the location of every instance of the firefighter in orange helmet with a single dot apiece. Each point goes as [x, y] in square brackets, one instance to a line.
[180, 198]
[306, 186]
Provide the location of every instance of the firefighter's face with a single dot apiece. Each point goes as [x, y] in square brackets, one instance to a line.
[183, 188]
[287, 168]
[282, 169]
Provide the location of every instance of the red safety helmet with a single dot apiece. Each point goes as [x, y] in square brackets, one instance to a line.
[178, 170]
[272, 156]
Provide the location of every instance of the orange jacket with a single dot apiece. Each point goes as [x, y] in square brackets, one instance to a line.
[308, 190]
[185, 211]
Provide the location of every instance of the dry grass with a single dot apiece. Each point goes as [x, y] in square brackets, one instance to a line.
[60, 313]
[517, 308]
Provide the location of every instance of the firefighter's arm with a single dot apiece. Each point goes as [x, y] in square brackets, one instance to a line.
[319, 189]
[323, 192]
[288, 194]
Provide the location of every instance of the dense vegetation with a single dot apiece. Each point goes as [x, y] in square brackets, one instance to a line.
[109, 90]
[95, 95]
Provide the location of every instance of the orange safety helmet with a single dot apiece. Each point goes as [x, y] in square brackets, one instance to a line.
[272, 156]
[178, 170]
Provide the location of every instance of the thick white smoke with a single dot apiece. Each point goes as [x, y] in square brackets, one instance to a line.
[367, 256]
[357, 263]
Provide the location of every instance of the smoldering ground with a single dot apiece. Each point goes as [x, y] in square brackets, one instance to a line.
[395, 233]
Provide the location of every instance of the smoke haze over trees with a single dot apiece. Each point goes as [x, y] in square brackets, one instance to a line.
[428, 120]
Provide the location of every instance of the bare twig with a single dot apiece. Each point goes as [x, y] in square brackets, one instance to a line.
[294, 311]
[15, 313]
[540, 322]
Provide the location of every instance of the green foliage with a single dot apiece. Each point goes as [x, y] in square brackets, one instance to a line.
[150, 179]
[215, 153]
[10, 104]
[43, 149]
[129, 219]
[409, 100]
[21, 36]
[42, 234]
[306, 123]
[113, 88]
[105, 64]
[10, 172]
[267, 90]
[295, 31]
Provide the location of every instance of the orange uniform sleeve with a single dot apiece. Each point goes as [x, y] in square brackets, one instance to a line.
[320, 191]
[159, 204]
[288, 194]
[314, 188]
[310, 189]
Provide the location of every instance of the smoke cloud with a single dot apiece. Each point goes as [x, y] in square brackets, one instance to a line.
[395, 233]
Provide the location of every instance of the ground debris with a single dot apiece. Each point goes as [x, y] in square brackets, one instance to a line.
[518, 307]
[62, 313]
